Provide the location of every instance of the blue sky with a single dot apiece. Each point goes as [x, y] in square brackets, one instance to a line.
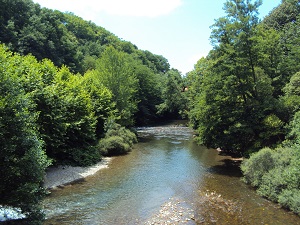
[176, 29]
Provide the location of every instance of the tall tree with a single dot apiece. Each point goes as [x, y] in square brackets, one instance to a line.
[149, 94]
[279, 42]
[118, 76]
[236, 103]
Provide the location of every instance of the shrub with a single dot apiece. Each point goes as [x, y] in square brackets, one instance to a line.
[257, 165]
[272, 184]
[117, 141]
[86, 157]
[276, 175]
[113, 145]
[291, 199]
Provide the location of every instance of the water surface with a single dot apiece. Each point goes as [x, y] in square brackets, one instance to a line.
[166, 166]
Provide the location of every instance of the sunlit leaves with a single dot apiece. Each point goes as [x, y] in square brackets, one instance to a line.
[22, 159]
[236, 94]
[118, 76]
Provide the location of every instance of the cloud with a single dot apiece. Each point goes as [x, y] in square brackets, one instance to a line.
[146, 8]
[136, 8]
[194, 58]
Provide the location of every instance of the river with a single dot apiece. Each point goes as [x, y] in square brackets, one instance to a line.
[166, 179]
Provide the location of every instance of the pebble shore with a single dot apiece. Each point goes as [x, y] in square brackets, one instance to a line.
[63, 175]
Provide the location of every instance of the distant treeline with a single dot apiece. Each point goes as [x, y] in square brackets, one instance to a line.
[245, 95]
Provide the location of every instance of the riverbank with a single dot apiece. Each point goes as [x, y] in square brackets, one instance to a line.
[63, 175]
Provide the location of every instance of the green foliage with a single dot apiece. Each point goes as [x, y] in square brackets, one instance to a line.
[291, 99]
[86, 156]
[232, 100]
[283, 44]
[113, 145]
[149, 94]
[175, 99]
[101, 99]
[22, 160]
[276, 175]
[64, 38]
[118, 76]
[290, 199]
[118, 140]
[259, 164]
[285, 13]
[67, 120]
[67, 39]
[293, 136]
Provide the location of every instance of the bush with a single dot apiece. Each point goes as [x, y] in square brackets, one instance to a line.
[117, 141]
[86, 157]
[259, 164]
[114, 145]
[276, 175]
[290, 199]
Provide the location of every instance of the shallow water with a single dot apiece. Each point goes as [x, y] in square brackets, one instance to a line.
[166, 168]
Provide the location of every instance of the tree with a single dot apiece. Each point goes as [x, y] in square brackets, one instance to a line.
[175, 99]
[149, 93]
[101, 99]
[285, 13]
[115, 72]
[292, 94]
[236, 110]
[22, 160]
[291, 100]
[67, 120]
[279, 38]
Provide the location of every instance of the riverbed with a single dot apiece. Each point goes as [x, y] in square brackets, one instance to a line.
[166, 179]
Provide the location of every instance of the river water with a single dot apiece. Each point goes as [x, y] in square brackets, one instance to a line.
[166, 179]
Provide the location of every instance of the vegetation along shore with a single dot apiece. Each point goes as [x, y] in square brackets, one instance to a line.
[71, 91]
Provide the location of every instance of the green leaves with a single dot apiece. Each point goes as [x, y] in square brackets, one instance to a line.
[115, 72]
[236, 93]
[174, 96]
[118, 140]
[275, 174]
[22, 157]
[67, 118]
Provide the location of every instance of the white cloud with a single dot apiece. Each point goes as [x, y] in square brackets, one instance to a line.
[137, 8]
[190, 62]
[147, 8]
[194, 58]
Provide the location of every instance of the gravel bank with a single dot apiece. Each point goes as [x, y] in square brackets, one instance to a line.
[63, 175]
[173, 212]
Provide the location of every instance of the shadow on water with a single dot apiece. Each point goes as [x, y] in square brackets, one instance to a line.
[229, 167]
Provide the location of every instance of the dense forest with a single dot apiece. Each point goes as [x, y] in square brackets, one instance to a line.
[70, 91]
